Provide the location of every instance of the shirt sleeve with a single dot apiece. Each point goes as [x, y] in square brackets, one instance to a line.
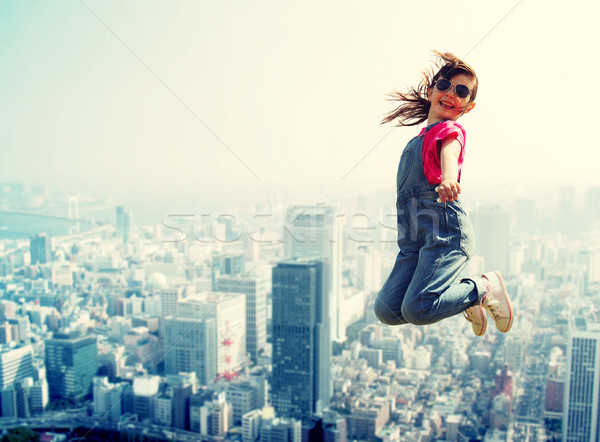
[431, 152]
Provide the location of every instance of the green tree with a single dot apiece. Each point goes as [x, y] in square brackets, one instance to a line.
[20, 434]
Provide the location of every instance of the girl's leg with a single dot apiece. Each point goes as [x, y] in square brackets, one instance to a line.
[388, 303]
[432, 295]
[447, 236]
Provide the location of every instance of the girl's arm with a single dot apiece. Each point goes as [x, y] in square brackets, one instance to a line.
[449, 189]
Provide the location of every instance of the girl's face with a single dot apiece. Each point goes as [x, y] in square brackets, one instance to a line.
[447, 105]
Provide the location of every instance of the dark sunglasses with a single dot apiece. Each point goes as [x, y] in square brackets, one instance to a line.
[461, 90]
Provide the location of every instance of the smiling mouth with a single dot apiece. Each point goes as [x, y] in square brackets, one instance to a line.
[446, 105]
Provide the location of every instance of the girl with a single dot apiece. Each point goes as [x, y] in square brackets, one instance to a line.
[434, 234]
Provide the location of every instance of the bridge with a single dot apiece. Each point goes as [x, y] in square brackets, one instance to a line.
[52, 217]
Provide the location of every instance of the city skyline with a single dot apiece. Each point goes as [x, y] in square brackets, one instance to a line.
[156, 304]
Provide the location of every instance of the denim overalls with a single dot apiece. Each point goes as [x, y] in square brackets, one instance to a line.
[436, 241]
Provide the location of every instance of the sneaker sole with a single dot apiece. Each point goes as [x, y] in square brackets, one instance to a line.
[484, 327]
[510, 312]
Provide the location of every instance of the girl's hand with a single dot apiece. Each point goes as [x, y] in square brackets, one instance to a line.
[449, 189]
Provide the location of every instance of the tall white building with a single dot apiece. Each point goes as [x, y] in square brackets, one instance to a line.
[317, 232]
[190, 346]
[228, 310]
[255, 288]
[368, 269]
[582, 387]
[590, 258]
[491, 225]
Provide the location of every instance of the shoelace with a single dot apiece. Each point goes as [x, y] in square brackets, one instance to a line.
[470, 316]
[494, 309]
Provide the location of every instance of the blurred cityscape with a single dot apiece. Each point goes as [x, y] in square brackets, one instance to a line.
[257, 324]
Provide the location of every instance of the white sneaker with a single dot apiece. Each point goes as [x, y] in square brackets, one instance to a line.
[496, 301]
[476, 316]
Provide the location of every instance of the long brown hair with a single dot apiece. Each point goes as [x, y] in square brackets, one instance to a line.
[414, 107]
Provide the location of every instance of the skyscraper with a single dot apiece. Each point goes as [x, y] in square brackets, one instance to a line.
[491, 225]
[301, 343]
[40, 248]
[228, 310]
[71, 363]
[315, 232]
[255, 289]
[125, 223]
[368, 269]
[592, 207]
[190, 347]
[568, 215]
[582, 388]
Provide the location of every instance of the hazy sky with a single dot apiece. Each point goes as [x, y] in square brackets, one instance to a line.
[187, 101]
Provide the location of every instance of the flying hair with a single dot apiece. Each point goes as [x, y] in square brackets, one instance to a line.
[414, 105]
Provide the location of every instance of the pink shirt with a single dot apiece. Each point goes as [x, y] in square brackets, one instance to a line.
[432, 144]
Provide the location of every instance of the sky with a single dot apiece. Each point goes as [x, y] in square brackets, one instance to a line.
[185, 103]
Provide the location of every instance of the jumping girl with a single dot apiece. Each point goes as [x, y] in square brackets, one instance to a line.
[435, 236]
